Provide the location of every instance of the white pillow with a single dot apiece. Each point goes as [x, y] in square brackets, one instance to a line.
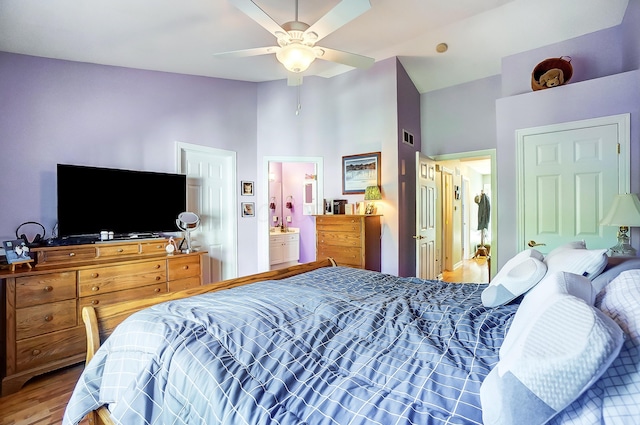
[563, 352]
[515, 278]
[585, 262]
[535, 301]
[571, 245]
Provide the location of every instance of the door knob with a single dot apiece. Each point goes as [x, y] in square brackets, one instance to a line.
[418, 237]
[534, 243]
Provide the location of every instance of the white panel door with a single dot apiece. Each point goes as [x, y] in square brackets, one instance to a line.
[568, 179]
[210, 183]
[426, 259]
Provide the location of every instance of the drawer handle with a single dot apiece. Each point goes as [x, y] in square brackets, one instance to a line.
[95, 288]
[159, 247]
[185, 267]
[35, 352]
[121, 250]
[48, 288]
[48, 318]
[158, 266]
[95, 302]
[72, 254]
[94, 275]
[157, 290]
[158, 278]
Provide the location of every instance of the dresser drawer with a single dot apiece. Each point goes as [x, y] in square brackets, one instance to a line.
[109, 298]
[45, 288]
[117, 250]
[342, 255]
[44, 349]
[180, 284]
[66, 255]
[117, 278]
[153, 247]
[182, 267]
[341, 226]
[40, 319]
[348, 239]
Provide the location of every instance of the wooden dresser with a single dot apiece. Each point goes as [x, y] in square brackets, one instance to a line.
[351, 240]
[42, 327]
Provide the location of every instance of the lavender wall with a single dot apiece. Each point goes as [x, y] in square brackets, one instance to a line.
[484, 114]
[67, 112]
[293, 174]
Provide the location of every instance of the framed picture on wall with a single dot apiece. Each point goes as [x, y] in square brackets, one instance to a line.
[248, 209]
[246, 188]
[360, 171]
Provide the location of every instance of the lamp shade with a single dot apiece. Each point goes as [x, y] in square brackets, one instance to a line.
[624, 211]
[372, 193]
[296, 57]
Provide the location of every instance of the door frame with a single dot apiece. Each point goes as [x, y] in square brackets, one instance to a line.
[623, 122]
[491, 154]
[263, 210]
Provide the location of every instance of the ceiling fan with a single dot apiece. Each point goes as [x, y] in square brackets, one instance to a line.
[296, 48]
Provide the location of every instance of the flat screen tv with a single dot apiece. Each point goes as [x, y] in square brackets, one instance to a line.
[126, 202]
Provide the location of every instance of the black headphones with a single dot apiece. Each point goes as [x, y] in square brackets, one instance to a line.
[39, 237]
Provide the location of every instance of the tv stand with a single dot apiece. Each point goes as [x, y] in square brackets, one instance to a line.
[41, 326]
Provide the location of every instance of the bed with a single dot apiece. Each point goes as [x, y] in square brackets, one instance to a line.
[337, 345]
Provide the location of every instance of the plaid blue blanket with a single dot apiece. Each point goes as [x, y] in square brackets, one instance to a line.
[331, 346]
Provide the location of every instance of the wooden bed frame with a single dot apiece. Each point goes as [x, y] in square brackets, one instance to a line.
[100, 322]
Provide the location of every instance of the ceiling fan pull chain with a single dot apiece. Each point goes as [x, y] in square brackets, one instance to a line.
[298, 103]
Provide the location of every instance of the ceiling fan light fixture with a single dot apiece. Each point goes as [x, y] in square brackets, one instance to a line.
[296, 57]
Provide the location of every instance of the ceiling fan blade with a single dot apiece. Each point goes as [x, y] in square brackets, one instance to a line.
[248, 52]
[343, 12]
[260, 16]
[351, 59]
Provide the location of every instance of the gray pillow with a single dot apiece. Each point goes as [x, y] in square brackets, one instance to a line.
[602, 280]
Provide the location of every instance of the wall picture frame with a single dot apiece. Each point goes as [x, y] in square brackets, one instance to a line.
[360, 171]
[248, 209]
[246, 188]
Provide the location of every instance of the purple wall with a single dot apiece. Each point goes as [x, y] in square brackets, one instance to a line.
[484, 114]
[67, 112]
[293, 174]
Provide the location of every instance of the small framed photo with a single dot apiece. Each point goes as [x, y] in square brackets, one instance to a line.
[246, 188]
[16, 251]
[248, 209]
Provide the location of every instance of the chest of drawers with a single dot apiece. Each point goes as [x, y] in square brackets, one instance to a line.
[351, 240]
[42, 328]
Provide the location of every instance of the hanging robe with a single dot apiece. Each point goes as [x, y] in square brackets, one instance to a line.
[484, 210]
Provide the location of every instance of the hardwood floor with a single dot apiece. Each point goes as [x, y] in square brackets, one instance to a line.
[42, 400]
[474, 270]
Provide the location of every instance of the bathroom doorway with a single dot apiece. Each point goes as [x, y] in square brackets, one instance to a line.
[288, 205]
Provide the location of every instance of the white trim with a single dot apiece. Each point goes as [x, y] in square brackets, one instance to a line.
[623, 122]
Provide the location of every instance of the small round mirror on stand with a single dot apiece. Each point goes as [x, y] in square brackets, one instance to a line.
[188, 222]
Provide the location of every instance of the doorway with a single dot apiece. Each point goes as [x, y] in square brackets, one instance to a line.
[290, 185]
[463, 176]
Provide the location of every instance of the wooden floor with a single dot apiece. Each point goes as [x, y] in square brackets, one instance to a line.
[43, 399]
[474, 270]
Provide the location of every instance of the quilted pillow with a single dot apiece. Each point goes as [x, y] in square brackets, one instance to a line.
[609, 275]
[515, 278]
[534, 302]
[585, 262]
[562, 353]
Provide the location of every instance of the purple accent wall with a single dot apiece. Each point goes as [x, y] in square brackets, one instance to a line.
[293, 174]
[57, 111]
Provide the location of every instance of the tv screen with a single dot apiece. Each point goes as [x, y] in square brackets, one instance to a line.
[128, 203]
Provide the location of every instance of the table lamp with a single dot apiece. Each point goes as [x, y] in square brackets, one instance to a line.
[625, 213]
[371, 193]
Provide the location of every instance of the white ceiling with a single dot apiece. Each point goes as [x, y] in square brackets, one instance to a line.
[182, 36]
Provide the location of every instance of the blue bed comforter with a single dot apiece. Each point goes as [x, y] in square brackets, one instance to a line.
[331, 346]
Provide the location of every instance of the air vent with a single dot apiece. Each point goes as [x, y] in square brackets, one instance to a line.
[407, 137]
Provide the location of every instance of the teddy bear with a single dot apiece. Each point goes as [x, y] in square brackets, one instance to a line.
[552, 78]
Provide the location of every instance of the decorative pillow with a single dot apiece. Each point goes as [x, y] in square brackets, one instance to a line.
[570, 245]
[585, 262]
[515, 278]
[565, 350]
[603, 279]
[535, 301]
[614, 398]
